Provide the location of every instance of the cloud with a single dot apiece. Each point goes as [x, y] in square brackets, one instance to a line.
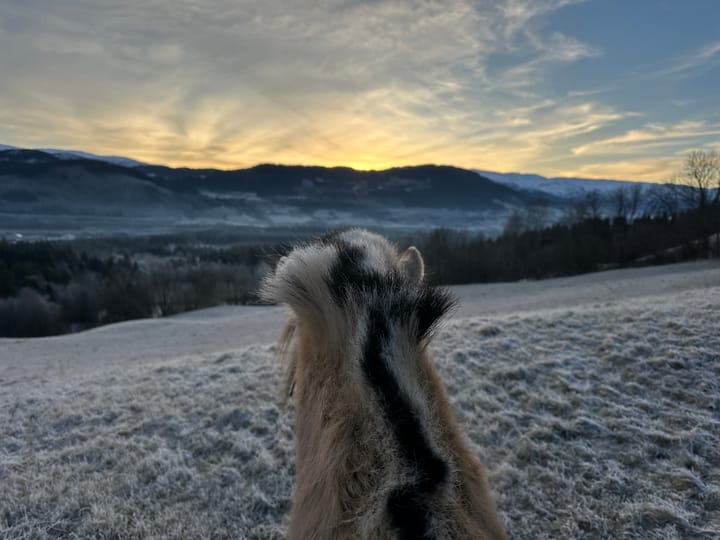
[587, 93]
[650, 170]
[573, 120]
[233, 83]
[702, 58]
[516, 15]
[651, 134]
[568, 49]
[652, 152]
[297, 63]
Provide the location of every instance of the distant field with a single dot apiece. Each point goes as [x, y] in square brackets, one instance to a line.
[594, 402]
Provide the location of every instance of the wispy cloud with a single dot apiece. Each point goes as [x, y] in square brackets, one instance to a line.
[561, 48]
[650, 134]
[700, 59]
[651, 170]
[587, 93]
[517, 15]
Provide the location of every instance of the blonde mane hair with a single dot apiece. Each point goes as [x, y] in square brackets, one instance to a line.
[379, 454]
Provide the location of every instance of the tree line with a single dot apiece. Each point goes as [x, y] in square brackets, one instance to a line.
[672, 222]
[49, 288]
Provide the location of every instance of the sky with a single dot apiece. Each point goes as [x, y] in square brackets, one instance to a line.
[596, 88]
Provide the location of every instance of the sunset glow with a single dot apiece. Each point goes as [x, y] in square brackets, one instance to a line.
[599, 89]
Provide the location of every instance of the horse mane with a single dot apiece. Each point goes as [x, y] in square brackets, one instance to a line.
[378, 452]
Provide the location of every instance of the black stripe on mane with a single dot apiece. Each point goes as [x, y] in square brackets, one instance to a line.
[392, 301]
[408, 505]
[405, 300]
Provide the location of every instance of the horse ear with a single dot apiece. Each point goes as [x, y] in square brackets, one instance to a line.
[411, 264]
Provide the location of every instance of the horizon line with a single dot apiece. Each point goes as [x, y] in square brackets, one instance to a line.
[475, 170]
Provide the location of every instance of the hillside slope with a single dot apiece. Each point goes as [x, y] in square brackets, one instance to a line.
[594, 407]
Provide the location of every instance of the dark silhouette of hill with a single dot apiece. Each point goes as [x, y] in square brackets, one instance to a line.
[420, 186]
[36, 182]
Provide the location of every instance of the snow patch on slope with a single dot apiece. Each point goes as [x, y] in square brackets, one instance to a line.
[77, 154]
[561, 187]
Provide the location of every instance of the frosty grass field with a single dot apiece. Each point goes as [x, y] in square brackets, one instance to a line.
[594, 402]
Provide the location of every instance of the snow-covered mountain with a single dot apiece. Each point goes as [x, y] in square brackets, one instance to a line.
[78, 154]
[75, 154]
[573, 188]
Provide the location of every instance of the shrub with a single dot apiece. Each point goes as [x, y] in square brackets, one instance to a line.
[29, 315]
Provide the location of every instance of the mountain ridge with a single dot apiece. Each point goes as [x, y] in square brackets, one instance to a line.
[130, 162]
[35, 184]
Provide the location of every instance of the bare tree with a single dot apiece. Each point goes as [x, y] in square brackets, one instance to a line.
[701, 173]
[515, 224]
[587, 207]
[664, 201]
[626, 201]
[697, 186]
[537, 216]
[636, 196]
[593, 201]
[532, 218]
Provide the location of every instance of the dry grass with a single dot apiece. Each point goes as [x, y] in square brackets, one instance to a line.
[594, 423]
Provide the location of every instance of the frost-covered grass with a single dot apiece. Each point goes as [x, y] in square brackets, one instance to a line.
[594, 422]
[196, 449]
